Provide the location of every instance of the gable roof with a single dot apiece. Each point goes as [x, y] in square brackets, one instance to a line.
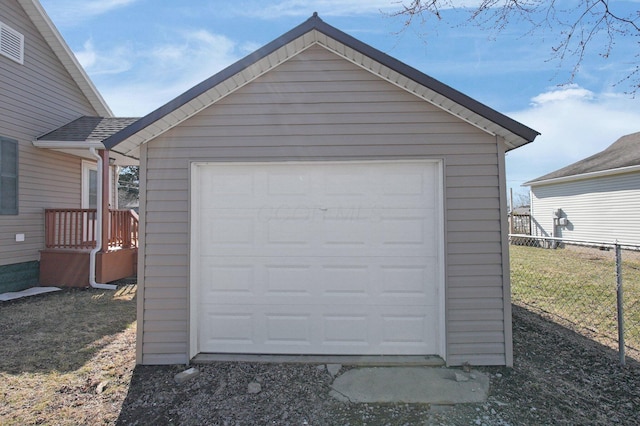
[621, 156]
[45, 26]
[314, 31]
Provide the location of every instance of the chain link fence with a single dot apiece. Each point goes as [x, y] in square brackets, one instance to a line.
[590, 287]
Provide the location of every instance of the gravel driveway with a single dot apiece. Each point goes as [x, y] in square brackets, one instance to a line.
[559, 378]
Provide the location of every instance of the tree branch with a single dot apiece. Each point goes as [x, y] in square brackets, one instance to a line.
[580, 25]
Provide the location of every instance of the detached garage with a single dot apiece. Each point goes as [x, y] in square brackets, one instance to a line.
[319, 197]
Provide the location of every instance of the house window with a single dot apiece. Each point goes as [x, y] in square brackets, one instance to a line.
[89, 185]
[8, 176]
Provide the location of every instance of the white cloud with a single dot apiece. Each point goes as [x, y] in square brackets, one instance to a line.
[304, 8]
[567, 93]
[164, 71]
[284, 8]
[114, 61]
[98, 7]
[87, 57]
[574, 123]
[70, 12]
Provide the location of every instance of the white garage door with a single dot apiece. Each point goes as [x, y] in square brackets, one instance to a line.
[317, 258]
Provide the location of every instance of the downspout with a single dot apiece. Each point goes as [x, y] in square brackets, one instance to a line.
[99, 218]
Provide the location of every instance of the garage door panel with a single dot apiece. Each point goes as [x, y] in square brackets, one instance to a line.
[337, 329]
[311, 281]
[415, 281]
[296, 182]
[338, 231]
[406, 327]
[293, 231]
[223, 231]
[318, 258]
[346, 280]
[224, 327]
[226, 184]
[228, 278]
[243, 228]
[389, 250]
[288, 279]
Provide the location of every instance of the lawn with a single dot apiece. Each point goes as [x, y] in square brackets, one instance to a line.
[53, 360]
[578, 285]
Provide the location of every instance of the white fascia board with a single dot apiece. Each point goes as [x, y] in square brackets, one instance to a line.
[47, 29]
[68, 144]
[582, 176]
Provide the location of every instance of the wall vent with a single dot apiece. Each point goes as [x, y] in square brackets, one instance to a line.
[11, 43]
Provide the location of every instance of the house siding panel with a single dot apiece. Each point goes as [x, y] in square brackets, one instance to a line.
[340, 113]
[37, 97]
[601, 209]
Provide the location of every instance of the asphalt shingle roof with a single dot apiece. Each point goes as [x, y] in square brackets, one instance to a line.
[624, 152]
[88, 129]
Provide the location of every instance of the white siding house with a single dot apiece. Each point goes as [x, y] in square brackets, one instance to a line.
[320, 197]
[595, 199]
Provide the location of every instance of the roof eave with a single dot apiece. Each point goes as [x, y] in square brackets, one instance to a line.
[583, 176]
[41, 20]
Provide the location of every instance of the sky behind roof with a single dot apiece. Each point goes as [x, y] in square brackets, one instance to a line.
[142, 53]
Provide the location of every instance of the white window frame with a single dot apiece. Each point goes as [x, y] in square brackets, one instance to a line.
[87, 167]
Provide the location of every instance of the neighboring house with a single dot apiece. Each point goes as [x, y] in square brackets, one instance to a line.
[321, 197]
[42, 87]
[595, 199]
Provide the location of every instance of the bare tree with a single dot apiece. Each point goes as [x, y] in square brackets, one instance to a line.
[581, 27]
[521, 199]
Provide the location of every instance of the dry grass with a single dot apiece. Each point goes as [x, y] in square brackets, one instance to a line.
[67, 357]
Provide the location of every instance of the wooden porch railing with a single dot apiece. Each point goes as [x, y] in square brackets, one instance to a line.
[76, 228]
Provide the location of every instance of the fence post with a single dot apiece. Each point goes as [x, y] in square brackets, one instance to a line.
[620, 310]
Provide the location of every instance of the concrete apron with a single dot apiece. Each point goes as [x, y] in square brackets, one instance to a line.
[427, 385]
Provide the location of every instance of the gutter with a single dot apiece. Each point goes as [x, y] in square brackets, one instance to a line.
[99, 218]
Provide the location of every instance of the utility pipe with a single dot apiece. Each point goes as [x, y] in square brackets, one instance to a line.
[99, 219]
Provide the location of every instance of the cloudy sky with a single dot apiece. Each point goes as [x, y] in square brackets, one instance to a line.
[143, 53]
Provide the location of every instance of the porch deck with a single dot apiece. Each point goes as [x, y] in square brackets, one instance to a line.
[70, 235]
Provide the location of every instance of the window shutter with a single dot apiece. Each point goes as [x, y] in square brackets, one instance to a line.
[8, 176]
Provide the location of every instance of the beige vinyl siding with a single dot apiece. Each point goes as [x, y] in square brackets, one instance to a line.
[37, 97]
[317, 106]
[601, 209]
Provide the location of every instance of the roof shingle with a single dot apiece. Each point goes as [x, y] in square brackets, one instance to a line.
[88, 129]
[624, 152]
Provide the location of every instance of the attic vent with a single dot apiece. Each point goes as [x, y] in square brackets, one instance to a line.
[11, 43]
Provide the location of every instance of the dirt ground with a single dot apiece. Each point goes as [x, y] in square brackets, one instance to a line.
[559, 378]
